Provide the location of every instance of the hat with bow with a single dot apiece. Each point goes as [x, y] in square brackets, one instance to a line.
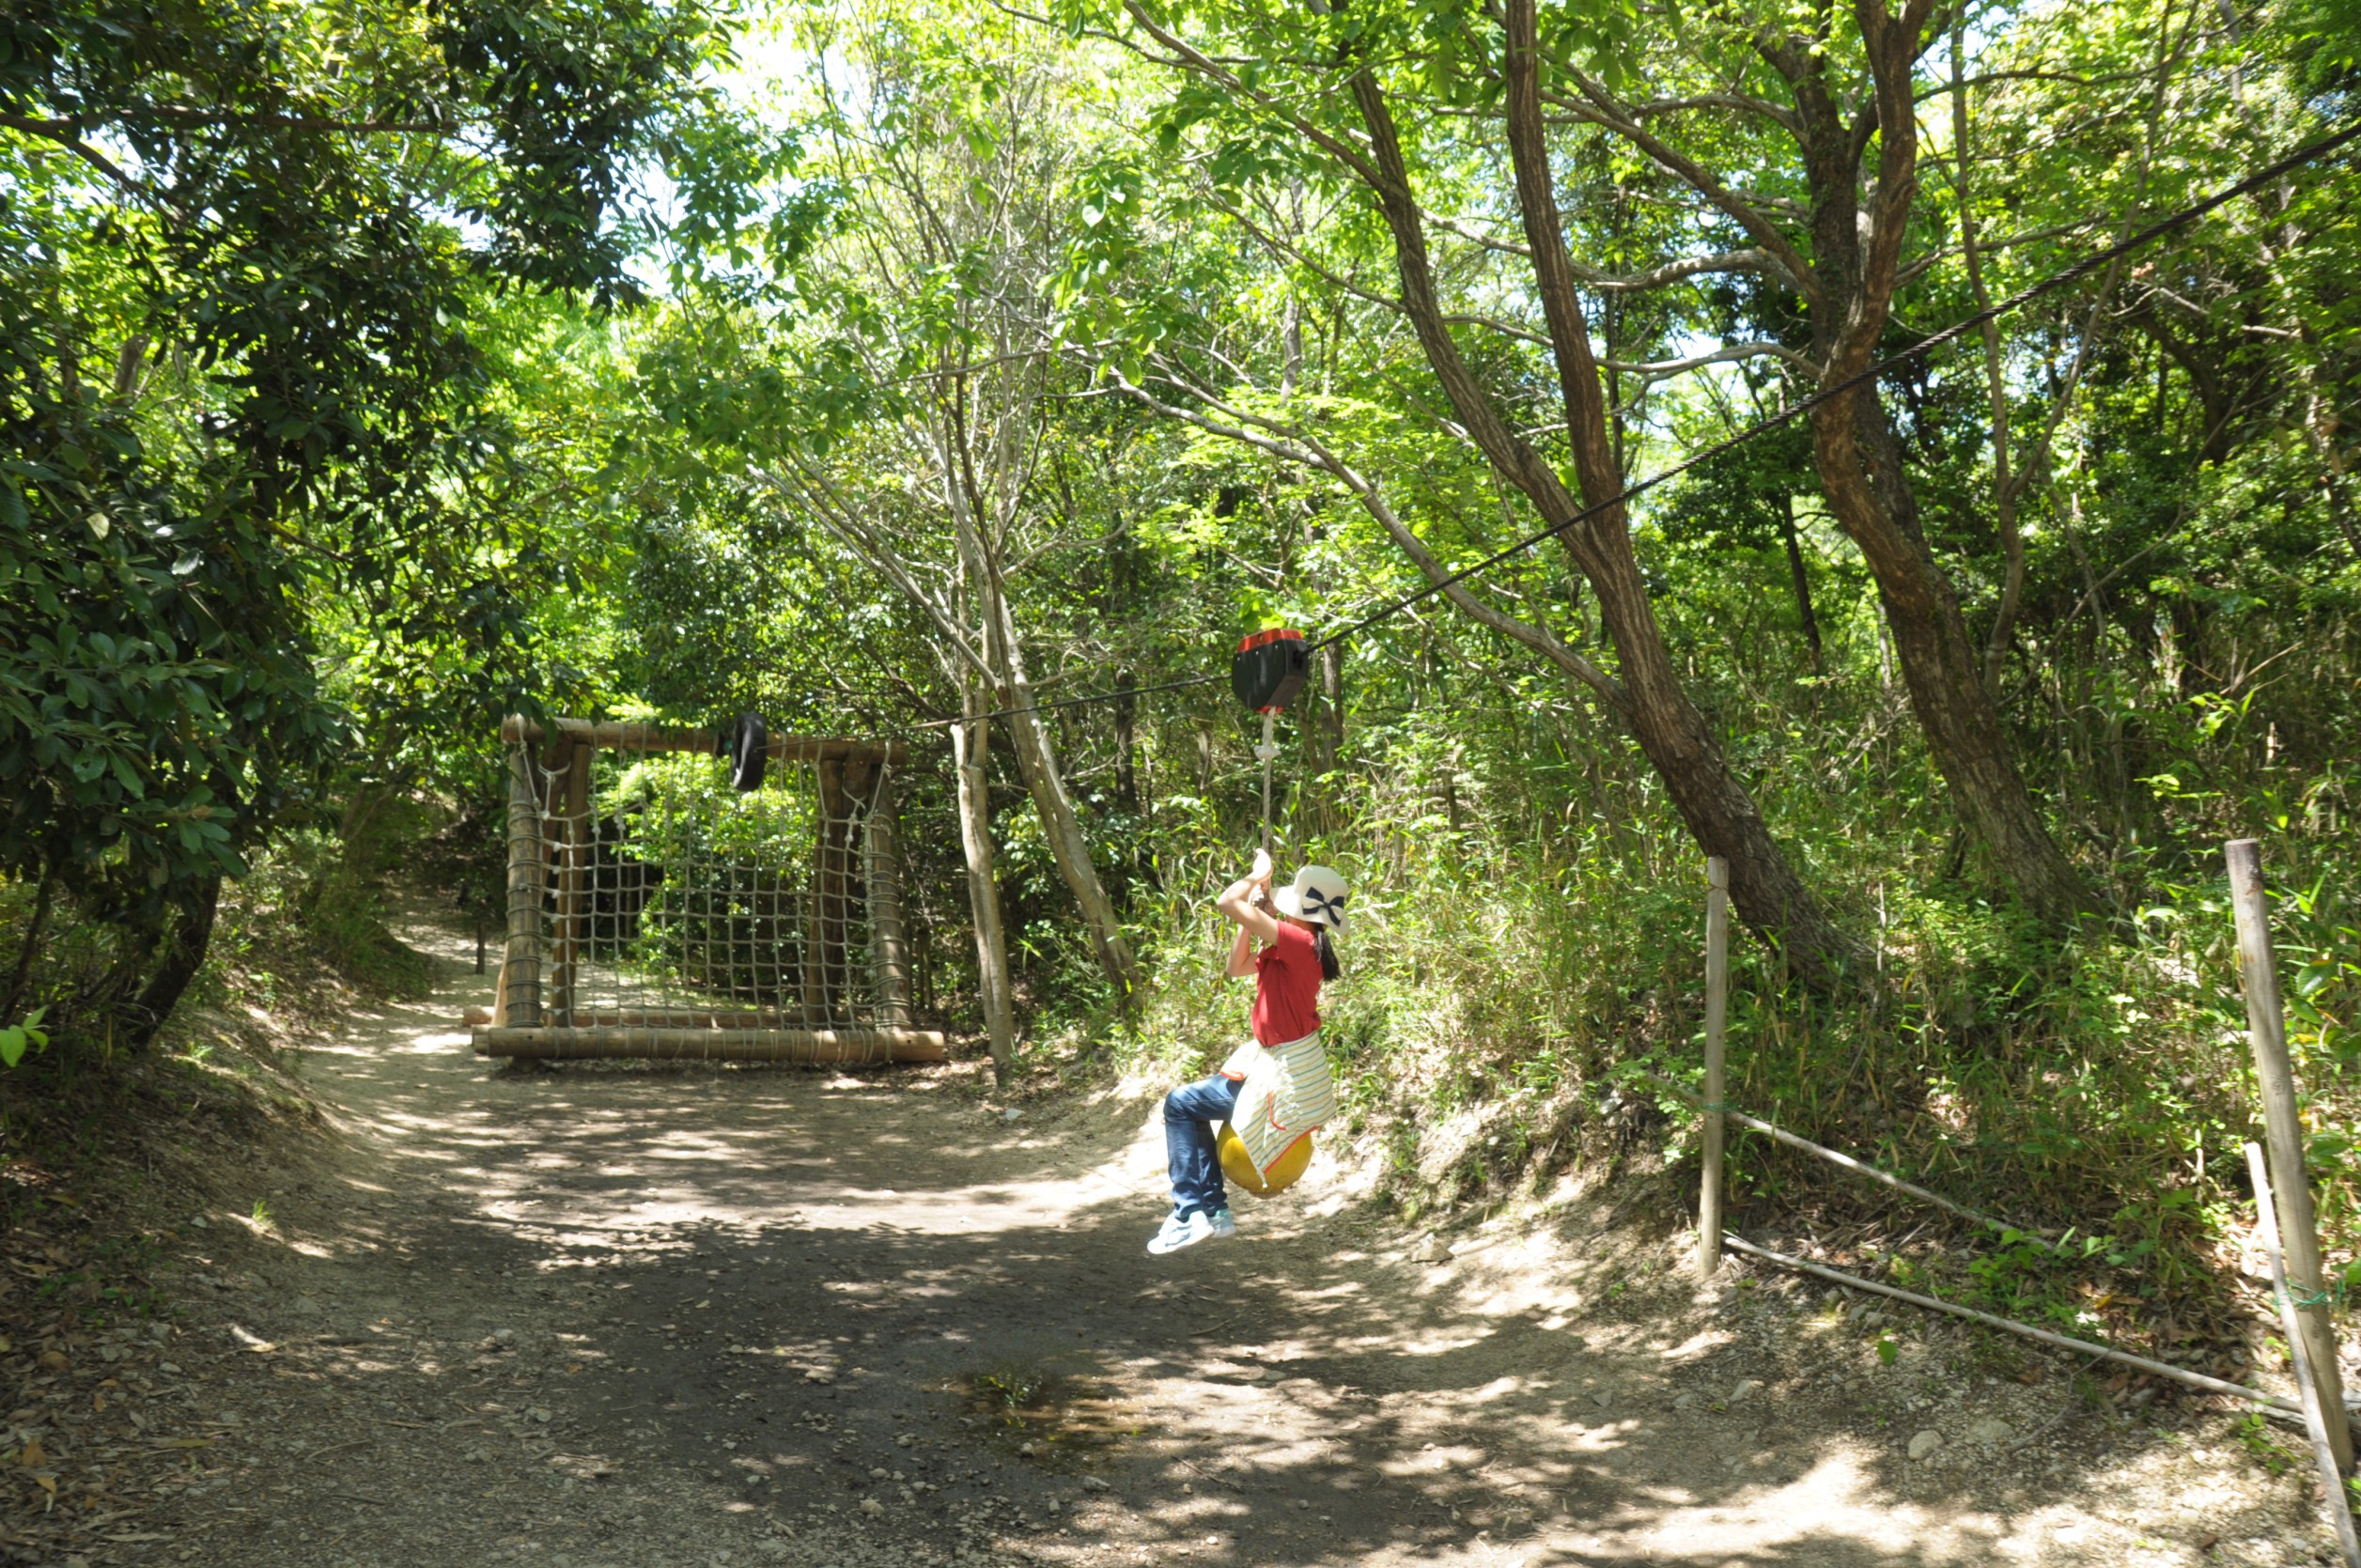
[1317, 895]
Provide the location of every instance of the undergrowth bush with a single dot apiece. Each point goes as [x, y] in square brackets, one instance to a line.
[309, 904]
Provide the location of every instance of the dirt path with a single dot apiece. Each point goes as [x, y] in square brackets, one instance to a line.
[628, 1315]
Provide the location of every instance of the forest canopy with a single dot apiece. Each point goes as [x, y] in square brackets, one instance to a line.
[958, 374]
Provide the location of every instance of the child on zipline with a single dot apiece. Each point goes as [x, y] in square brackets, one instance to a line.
[1275, 1088]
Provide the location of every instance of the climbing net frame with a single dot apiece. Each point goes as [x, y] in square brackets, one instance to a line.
[653, 912]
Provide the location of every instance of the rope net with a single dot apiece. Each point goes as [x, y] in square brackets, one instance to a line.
[656, 912]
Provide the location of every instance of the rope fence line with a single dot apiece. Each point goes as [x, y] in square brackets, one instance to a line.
[1847, 1161]
[2262, 177]
[2288, 1227]
[1992, 1320]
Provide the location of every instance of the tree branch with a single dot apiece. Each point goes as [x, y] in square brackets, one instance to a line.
[1663, 369]
[1291, 445]
[1595, 467]
[1920, 268]
[62, 134]
[1194, 60]
[1740, 102]
[842, 519]
[1603, 109]
[173, 114]
[1752, 259]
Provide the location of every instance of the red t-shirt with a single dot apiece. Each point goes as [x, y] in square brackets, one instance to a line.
[1287, 987]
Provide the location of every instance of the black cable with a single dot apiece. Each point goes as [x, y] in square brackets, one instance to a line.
[1070, 701]
[1785, 416]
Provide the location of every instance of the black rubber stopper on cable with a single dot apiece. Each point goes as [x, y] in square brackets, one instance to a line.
[750, 752]
[1268, 669]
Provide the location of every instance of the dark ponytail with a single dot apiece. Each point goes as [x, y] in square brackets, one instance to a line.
[1330, 967]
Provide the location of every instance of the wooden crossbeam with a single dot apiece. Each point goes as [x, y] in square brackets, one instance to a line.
[628, 736]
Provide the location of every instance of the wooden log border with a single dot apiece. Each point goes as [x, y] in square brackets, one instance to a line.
[712, 1045]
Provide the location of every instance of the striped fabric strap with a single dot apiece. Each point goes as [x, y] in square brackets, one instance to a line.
[1288, 1092]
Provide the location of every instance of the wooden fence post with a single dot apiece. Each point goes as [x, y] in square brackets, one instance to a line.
[882, 868]
[521, 962]
[2317, 1421]
[571, 843]
[1717, 1017]
[825, 969]
[2283, 1129]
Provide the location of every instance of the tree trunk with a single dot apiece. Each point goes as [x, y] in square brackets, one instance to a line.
[984, 893]
[43, 898]
[183, 956]
[1291, 345]
[2004, 483]
[1671, 730]
[1121, 575]
[1037, 765]
[1941, 665]
[1860, 461]
[1323, 737]
[1126, 746]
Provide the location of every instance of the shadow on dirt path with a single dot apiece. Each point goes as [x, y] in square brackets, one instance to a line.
[615, 1314]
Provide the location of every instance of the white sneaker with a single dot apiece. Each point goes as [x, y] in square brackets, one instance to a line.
[1222, 1224]
[1178, 1233]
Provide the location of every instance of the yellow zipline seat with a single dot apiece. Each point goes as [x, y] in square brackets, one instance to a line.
[1239, 1167]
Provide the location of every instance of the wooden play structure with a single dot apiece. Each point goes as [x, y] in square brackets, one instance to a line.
[661, 906]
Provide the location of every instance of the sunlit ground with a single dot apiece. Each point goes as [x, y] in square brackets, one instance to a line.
[783, 1297]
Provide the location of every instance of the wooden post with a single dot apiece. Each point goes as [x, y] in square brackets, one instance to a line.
[1717, 1019]
[2283, 1130]
[572, 843]
[859, 776]
[881, 868]
[521, 965]
[824, 946]
[2317, 1417]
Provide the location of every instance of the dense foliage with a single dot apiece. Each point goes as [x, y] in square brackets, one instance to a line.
[876, 369]
[257, 262]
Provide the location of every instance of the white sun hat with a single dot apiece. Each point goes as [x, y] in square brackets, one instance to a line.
[1317, 895]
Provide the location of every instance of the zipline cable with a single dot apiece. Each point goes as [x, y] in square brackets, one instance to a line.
[1870, 373]
[1787, 415]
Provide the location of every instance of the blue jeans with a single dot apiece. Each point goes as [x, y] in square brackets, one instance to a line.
[1189, 1113]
